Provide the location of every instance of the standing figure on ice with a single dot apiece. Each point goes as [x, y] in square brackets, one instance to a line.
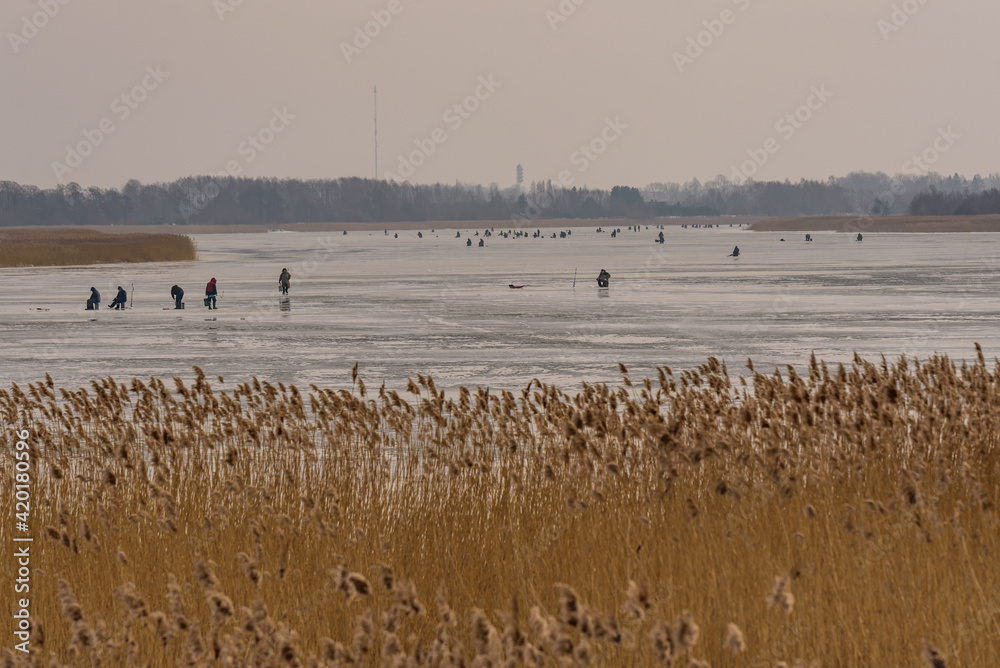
[211, 295]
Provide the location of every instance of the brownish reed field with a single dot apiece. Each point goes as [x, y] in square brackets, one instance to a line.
[845, 517]
[63, 247]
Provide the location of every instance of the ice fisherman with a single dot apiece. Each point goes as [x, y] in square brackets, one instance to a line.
[736, 252]
[284, 281]
[120, 299]
[211, 294]
[94, 302]
[603, 278]
[178, 294]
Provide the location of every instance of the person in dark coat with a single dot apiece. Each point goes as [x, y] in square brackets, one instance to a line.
[736, 252]
[120, 299]
[603, 278]
[284, 281]
[178, 295]
[94, 302]
[211, 294]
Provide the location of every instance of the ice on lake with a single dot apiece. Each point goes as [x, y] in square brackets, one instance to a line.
[408, 306]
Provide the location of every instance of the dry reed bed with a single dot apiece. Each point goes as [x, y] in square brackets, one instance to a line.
[845, 518]
[64, 247]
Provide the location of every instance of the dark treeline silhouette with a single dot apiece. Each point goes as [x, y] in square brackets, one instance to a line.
[221, 201]
[269, 201]
[937, 203]
[857, 193]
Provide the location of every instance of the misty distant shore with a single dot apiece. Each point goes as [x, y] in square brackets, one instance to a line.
[557, 223]
[855, 224]
[850, 224]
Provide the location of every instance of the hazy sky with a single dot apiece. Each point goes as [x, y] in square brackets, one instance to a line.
[201, 77]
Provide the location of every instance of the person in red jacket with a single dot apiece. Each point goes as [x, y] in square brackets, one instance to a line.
[211, 294]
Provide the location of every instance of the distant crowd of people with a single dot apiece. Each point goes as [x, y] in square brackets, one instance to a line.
[285, 278]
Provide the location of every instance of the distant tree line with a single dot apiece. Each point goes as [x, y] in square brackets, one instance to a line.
[857, 193]
[937, 203]
[270, 201]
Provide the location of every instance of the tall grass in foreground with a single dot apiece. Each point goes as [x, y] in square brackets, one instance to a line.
[63, 247]
[846, 518]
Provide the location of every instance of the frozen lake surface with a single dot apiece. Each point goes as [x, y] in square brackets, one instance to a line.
[408, 306]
